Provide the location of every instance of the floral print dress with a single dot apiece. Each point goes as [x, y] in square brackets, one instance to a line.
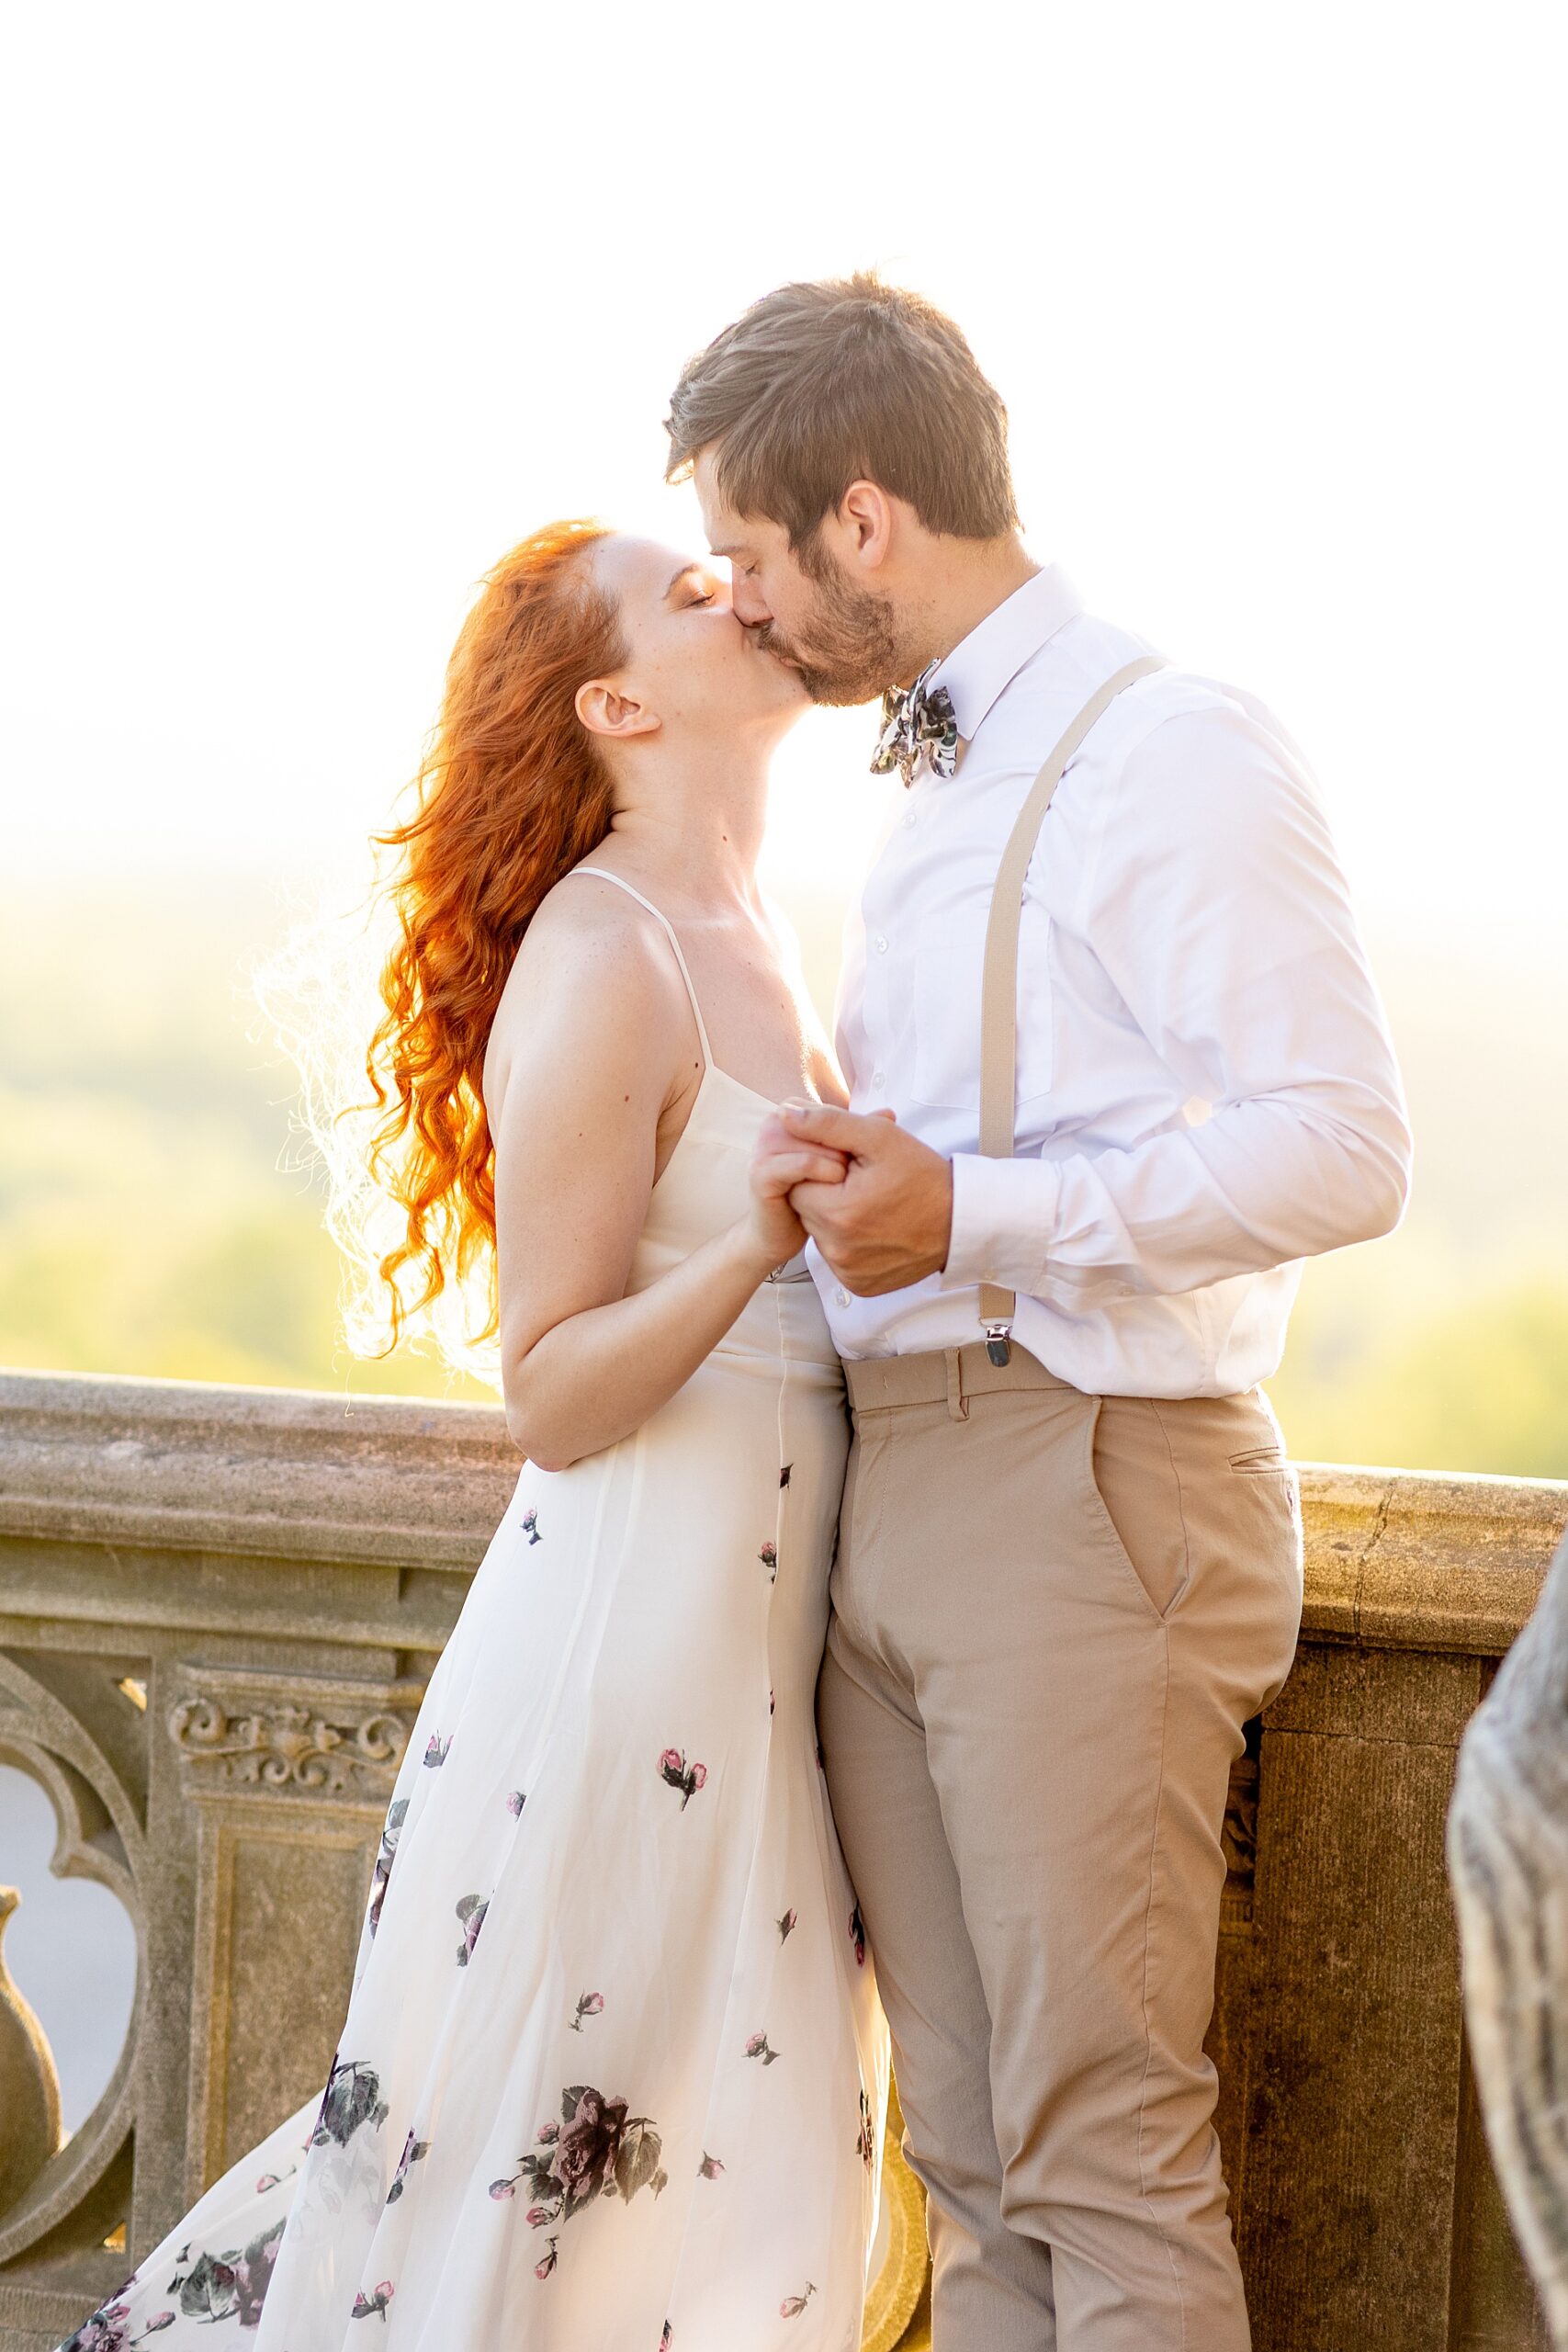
[613, 2074]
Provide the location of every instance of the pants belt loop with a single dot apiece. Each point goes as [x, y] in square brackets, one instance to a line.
[957, 1403]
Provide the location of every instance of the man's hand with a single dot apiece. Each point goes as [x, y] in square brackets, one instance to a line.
[890, 1221]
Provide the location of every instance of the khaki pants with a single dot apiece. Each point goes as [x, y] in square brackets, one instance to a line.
[1052, 1614]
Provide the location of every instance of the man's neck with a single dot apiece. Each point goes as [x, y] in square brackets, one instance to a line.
[970, 578]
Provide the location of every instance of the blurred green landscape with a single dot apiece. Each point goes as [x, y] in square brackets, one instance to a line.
[151, 1220]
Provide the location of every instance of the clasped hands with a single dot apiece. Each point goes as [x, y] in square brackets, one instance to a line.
[877, 1202]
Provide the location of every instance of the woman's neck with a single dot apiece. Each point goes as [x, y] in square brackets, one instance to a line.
[696, 823]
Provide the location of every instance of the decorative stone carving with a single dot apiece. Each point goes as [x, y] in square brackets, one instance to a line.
[262, 1730]
[100, 1837]
[1238, 1835]
[29, 2087]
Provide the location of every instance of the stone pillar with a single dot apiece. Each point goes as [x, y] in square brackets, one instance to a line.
[290, 1776]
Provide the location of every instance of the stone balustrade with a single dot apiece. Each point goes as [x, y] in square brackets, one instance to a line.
[218, 1607]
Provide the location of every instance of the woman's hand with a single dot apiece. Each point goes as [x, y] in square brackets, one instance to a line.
[780, 1161]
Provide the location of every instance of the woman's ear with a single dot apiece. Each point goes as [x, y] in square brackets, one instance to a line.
[604, 710]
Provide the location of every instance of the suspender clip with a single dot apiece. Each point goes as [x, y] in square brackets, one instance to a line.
[998, 1343]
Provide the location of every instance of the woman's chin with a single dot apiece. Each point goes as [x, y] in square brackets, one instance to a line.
[768, 701]
[789, 691]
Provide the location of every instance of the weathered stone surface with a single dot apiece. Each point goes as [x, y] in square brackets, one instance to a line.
[178, 1465]
[274, 1575]
[1509, 1857]
[1355, 2048]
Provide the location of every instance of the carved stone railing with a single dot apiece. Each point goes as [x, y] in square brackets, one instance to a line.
[218, 1609]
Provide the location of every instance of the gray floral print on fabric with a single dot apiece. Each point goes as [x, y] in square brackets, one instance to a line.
[598, 2149]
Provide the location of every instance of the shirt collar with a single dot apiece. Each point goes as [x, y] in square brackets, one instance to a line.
[985, 661]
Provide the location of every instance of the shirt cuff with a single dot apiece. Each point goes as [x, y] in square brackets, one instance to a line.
[1004, 1213]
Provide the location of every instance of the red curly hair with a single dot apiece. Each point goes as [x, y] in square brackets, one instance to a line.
[512, 794]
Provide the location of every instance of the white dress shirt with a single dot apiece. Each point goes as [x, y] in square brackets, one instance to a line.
[1206, 1092]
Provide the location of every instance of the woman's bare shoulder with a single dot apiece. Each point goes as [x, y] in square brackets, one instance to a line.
[591, 973]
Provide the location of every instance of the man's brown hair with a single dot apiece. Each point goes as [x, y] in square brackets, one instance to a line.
[844, 380]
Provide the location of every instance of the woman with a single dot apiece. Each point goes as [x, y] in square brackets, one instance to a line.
[612, 2074]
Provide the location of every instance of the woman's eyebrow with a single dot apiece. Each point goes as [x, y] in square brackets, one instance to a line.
[685, 572]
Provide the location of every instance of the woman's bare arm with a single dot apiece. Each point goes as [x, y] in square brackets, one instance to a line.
[596, 1042]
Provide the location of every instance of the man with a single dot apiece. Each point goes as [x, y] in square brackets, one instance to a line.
[1069, 1563]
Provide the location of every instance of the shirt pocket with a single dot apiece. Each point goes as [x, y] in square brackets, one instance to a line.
[949, 970]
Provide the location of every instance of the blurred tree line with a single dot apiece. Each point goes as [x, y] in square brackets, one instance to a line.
[151, 1220]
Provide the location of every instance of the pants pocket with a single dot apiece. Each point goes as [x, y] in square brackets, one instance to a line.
[1259, 1461]
[1133, 1495]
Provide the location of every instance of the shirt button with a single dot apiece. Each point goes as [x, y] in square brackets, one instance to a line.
[878, 1078]
[908, 820]
[881, 944]
[843, 1296]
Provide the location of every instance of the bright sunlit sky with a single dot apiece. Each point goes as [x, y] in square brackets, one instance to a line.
[314, 310]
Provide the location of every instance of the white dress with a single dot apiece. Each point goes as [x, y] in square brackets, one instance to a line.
[613, 2075]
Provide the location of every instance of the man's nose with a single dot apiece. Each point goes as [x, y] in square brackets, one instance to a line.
[747, 605]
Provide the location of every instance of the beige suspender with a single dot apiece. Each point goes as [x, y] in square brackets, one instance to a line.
[998, 996]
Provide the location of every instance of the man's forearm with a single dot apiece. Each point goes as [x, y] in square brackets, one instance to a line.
[1261, 1182]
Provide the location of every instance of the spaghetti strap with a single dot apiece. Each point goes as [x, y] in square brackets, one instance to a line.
[604, 875]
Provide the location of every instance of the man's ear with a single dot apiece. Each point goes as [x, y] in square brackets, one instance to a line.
[866, 521]
[604, 710]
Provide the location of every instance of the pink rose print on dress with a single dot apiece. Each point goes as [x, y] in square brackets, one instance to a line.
[470, 1909]
[596, 2150]
[710, 2167]
[531, 1526]
[769, 1557]
[515, 1801]
[787, 1926]
[783, 1475]
[106, 2330]
[793, 2306]
[588, 2005]
[758, 2047]
[436, 1749]
[374, 2305]
[688, 1777]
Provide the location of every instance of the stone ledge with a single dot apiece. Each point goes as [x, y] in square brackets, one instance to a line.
[1425, 1560]
[1393, 1557]
[284, 1473]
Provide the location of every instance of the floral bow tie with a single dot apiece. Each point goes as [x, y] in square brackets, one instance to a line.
[914, 720]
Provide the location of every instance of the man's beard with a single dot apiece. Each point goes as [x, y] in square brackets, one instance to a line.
[850, 651]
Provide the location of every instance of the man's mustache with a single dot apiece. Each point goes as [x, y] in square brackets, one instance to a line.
[765, 636]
